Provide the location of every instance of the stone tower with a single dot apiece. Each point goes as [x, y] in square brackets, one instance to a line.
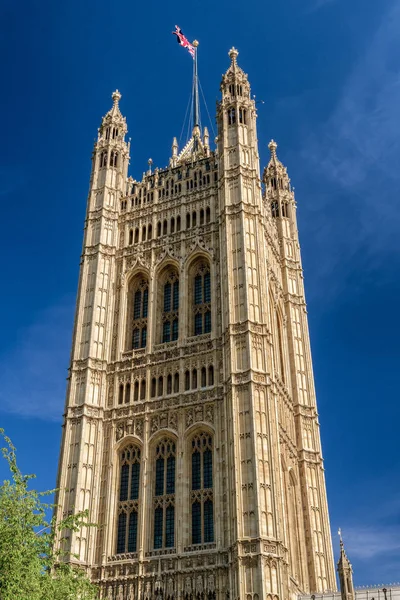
[191, 431]
[345, 572]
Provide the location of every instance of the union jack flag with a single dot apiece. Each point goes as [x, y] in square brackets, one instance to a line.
[183, 41]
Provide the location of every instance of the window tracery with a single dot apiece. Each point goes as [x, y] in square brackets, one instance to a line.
[164, 494]
[128, 500]
[202, 489]
[170, 314]
[140, 299]
[201, 305]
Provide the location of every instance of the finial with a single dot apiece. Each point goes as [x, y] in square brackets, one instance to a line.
[273, 146]
[150, 162]
[116, 97]
[195, 43]
[174, 147]
[196, 131]
[233, 54]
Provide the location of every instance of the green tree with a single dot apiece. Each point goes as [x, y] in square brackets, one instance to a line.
[29, 568]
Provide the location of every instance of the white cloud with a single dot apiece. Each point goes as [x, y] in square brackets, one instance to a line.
[372, 541]
[353, 158]
[34, 371]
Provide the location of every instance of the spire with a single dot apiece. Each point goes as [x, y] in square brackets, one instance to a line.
[235, 83]
[113, 117]
[233, 54]
[272, 148]
[275, 174]
[345, 572]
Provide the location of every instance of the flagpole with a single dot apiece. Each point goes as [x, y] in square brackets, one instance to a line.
[196, 114]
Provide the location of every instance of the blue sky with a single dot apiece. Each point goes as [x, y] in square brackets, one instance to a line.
[328, 72]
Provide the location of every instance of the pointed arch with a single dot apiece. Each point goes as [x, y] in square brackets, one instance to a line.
[199, 296]
[200, 449]
[163, 485]
[128, 498]
[167, 302]
[138, 305]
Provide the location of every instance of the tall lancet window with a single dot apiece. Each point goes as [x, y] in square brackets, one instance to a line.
[140, 307]
[128, 500]
[164, 495]
[170, 315]
[201, 299]
[202, 489]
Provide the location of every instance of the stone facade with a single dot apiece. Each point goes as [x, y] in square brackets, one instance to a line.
[191, 430]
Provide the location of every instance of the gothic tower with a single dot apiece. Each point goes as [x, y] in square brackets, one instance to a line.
[345, 572]
[191, 430]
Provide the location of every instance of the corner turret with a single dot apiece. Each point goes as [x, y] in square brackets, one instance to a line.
[345, 571]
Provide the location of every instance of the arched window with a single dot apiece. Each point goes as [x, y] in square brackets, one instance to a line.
[160, 386]
[203, 377]
[176, 383]
[202, 489]
[201, 216]
[285, 209]
[164, 495]
[172, 226]
[208, 214]
[136, 235]
[143, 389]
[127, 393]
[194, 379]
[113, 158]
[242, 116]
[136, 391]
[170, 315]
[128, 501]
[130, 237]
[201, 305]
[231, 116]
[275, 208]
[103, 159]
[165, 227]
[144, 230]
[149, 232]
[187, 381]
[169, 383]
[210, 375]
[159, 229]
[121, 394]
[194, 219]
[140, 311]
[153, 387]
[187, 220]
[178, 223]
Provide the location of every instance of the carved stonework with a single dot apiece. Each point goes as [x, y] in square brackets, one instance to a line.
[191, 428]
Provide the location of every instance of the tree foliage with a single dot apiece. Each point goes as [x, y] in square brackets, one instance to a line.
[29, 567]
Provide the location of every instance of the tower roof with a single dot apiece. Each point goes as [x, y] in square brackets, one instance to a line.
[114, 115]
[275, 167]
[343, 562]
[235, 73]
